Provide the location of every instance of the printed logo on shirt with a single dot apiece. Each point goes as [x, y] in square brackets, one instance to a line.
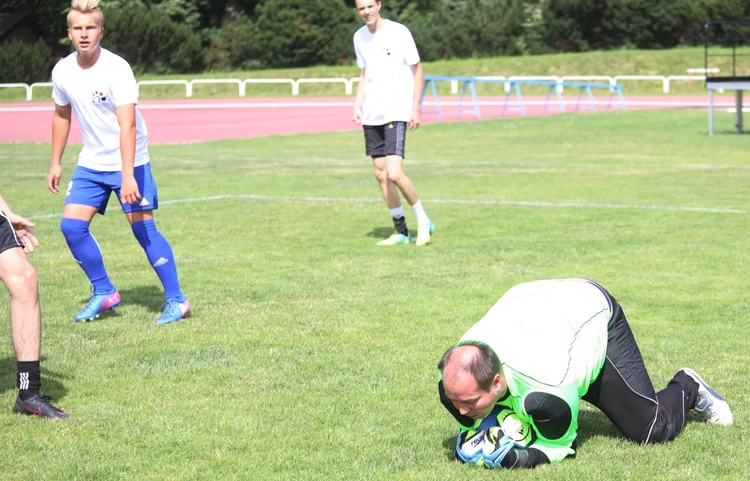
[98, 97]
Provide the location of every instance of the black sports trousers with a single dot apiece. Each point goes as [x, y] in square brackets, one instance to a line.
[624, 392]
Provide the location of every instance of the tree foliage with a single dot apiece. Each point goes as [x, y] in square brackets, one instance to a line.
[290, 33]
[463, 29]
[25, 62]
[148, 39]
[579, 25]
[165, 36]
[49, 16]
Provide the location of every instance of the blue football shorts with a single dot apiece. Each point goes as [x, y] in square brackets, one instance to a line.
[94, 187]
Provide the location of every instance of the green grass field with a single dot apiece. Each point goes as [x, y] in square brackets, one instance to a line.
[310, 353]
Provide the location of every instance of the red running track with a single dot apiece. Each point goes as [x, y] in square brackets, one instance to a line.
[185, 121]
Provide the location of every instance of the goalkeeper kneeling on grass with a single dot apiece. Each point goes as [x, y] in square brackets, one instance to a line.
[515, 379]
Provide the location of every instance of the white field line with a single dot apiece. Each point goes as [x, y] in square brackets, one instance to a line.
[500, 203]
[510, 203]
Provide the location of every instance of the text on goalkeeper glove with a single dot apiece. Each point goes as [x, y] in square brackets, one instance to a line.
[469, 446]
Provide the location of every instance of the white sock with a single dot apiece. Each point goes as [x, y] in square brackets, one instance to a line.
[398, 212]
[422, 218]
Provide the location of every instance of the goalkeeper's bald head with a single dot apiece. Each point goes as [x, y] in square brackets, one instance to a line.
[472, 378]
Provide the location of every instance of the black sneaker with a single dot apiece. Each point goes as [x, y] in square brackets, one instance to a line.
[38, 405]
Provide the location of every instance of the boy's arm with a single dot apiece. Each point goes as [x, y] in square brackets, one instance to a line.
[60, 130]
[129, 193]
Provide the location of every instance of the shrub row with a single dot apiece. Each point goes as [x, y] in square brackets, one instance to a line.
[256, 34]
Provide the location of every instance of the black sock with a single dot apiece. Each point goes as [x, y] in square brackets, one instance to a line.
[29, 379]
[400, 224]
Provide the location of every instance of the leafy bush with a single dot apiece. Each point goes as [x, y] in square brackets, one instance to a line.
[243, 50]
[185, 36]
[465, 29]
[290, 33]
[580, 25]
[152, 42]
[22, 62]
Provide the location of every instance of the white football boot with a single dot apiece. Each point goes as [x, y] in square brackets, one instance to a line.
[709, 404]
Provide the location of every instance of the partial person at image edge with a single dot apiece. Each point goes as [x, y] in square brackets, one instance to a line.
[20, 278]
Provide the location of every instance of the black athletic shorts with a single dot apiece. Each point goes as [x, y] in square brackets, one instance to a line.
[8, 237]
[388, 139]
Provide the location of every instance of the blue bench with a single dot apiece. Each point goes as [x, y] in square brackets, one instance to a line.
[513, 86]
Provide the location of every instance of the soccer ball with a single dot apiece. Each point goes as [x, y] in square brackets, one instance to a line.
[515, 428]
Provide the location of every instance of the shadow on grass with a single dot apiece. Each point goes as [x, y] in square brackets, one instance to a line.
[52, 381]
[150, 297]
[380, 232]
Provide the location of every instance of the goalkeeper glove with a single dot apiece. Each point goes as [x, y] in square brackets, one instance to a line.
[469, 446]
[496, 445]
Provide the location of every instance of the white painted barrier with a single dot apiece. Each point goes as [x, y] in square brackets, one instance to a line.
[165, 82]
[18, 85]
[349, 83]
[295, 89]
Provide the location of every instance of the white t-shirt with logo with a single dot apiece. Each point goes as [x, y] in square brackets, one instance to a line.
[387, 57]
[94, 94]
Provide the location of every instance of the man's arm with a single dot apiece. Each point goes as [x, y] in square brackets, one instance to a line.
[418, 88]
[60, 131]
[519, 457]
[129, 193]
[359, 97]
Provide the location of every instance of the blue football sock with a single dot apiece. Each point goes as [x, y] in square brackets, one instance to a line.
[160, 255]
[87, 253]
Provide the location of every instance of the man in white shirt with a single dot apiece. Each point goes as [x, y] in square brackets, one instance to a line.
[386, 103]
[100, 88]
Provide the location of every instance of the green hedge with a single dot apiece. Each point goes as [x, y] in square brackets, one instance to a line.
[149, 39]
[25, 62]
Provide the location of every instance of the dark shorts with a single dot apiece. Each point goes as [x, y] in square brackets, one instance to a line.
[388, 139]
[8, 237]
[93, 188]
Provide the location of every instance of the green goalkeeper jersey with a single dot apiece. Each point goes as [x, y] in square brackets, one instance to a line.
[551, 338]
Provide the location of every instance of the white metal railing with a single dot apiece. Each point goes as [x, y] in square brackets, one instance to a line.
[295, 88]
[242, 84]
[188, 88]
[347, 83]
[19, 85]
